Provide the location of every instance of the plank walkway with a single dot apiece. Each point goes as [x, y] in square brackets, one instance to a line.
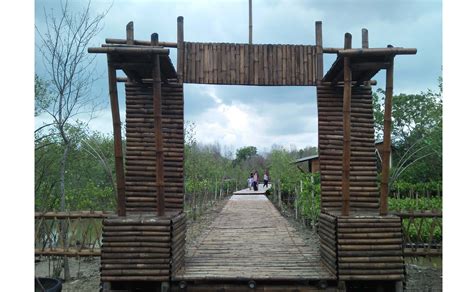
[251, 240]
[261, 190]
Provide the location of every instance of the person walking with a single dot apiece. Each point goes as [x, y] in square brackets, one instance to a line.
[250, 181]
[255, 181]
[266, 178]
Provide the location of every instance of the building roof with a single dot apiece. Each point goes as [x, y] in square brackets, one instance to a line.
[303, 159]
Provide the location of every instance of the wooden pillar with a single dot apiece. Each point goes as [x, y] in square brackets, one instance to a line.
[319, 51]
[387, 128]
[180, 46]
[130, 37]
[159, 169]
[346, 111]
[250, 21]
[365, 38]
[119, 171]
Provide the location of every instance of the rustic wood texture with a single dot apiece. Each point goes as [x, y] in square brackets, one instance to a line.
[129, 253]
[119, 170]
[250, 239]
[387, 141]
[327, 238]
[369, 247]
[178, 241]
[245, 64]
[140, 164]
[364, 192]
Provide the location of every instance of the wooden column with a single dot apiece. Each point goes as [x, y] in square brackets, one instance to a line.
[250, 21]
[319, 50]
[160, 178]
[365, 38]
[346, 111]
[387, 129]
[130, 38]
[119, 171]
[180, 46]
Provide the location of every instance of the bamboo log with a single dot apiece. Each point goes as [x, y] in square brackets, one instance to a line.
[371, 259]
[365, 38]
[128, 50]
[134, 261]
[119, 169]
[157, 113]
[346, 155]
[371, 277]
[386, 141]
[134, 278]
[140, 43]
[180, 47]
[376, 52]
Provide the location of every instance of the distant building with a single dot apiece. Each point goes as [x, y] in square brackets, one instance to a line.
[312, 161]
[379, 151]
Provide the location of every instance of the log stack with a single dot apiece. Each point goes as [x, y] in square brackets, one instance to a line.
[327, 236]
[364, 192]
[178, 241]
[370, 248]
[140, 165]
[136, 248]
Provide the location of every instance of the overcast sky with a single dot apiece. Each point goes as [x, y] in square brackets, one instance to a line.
[238, 116]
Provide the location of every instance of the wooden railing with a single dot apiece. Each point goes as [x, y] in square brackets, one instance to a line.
[422, 233]
[69, 233]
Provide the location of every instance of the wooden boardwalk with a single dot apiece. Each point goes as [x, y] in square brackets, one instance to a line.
[247, 191]
[250, 240]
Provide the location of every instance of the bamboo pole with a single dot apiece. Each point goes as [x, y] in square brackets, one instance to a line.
[139, 42]
[180, 42]
[250, 21]
[319, 50]
[119, 168]
[130, 33]
[387, 124]
[158, 130]
[128, 50]
[365, 38]
[346, 155]
[377, 52]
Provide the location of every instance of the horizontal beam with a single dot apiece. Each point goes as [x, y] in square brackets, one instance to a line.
[138, 42]
[73, 214]
[70, 252]
[128, 50]
[377, 52]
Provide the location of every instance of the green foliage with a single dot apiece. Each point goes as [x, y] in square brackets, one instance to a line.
[309, 199]
[416, 134]
[245, 153]
[87, 183]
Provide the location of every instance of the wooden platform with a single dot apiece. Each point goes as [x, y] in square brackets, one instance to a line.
[250, 240]
[261, 190]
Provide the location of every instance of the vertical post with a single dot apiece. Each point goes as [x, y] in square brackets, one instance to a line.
[180, 58]
[319, 50]
[387, 125]
[159, 169]
[365, 38]
[250, 21]
[130, 37]
[346, 110]
[117, 139]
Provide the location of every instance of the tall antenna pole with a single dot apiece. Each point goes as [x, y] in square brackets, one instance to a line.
[250, 21]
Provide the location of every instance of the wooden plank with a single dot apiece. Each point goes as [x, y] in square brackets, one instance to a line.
[251, 240]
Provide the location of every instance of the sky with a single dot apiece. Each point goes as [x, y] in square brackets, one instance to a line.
[237, 116]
